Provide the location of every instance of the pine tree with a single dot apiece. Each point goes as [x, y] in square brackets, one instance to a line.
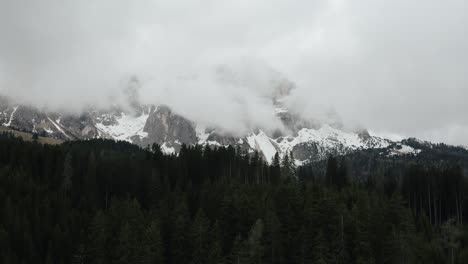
[156, 189]
[239, 252]
[125, 249]
[97, 247]
[320, 251]
[450, 241]
[90, 184]
[152, 243]
[342, 176]
[200, 238]
[180, 244]
[288, 168]
[215, 251]
[67, 172]
[361, 246]
[275, 169]
[272, 238]
[332, 172]
[254, 243]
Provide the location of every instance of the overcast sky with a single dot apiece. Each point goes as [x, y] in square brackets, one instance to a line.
[396, 67]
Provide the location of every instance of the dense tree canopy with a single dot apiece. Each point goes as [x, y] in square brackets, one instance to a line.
[101, 201]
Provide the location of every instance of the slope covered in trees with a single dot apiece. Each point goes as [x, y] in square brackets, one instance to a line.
[101, 201]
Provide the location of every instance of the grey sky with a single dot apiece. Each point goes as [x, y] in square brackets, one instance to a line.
[395, 67]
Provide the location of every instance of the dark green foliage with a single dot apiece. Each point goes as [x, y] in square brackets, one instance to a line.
[200, 238]
[101, 201]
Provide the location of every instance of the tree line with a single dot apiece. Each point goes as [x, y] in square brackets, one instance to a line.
[101, 201]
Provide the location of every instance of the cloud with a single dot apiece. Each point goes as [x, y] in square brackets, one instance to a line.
[236, 98]
[393, 66]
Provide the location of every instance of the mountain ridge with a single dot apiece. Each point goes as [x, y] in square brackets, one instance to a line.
[145, 125]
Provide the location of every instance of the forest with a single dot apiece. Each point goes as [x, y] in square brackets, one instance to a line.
[101, 201]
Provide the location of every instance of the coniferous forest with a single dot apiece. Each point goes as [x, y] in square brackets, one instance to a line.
[101, 201]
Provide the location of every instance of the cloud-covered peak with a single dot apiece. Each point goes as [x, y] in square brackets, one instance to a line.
[392, 66]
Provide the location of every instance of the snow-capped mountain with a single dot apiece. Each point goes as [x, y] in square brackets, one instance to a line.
[307, 139]
[147, 124]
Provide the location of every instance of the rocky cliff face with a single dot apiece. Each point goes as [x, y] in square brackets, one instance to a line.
[169, 129]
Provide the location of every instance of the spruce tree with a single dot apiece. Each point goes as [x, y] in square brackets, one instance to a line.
[332, 172]
[200, 238]
[215, 253]
[180, 244]
[254, 243]
[288, 167]
[152, 243]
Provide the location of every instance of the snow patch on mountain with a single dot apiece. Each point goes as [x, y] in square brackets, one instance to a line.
[201, 134]
[57, 126]
[315, 144]
[401, 149]
[48, 131]
[329, 137]
[11, 116]
[307, 144]
[125, 127]
[167, 149]
[263, 144]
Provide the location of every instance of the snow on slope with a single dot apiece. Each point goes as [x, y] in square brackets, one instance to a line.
[126, 127]
[167, 150]
[201, 134]
[11, 116]
[263, 144]
[58, 127]
[403, 150]
[326, 140]
[329, 137]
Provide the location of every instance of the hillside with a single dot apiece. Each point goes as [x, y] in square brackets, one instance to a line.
[29, 136]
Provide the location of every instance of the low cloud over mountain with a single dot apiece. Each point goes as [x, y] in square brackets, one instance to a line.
[395, 67]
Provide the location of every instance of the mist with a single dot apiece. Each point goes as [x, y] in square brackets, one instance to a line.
[395, 67]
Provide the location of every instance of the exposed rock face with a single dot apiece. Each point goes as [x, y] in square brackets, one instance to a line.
[223, 139]
[28, 118]
[79, 127]
[5, 110]
[164, 126]
[306, 151]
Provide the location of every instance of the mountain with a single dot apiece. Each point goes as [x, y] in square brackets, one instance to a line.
[141, 124]
[144, 125]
